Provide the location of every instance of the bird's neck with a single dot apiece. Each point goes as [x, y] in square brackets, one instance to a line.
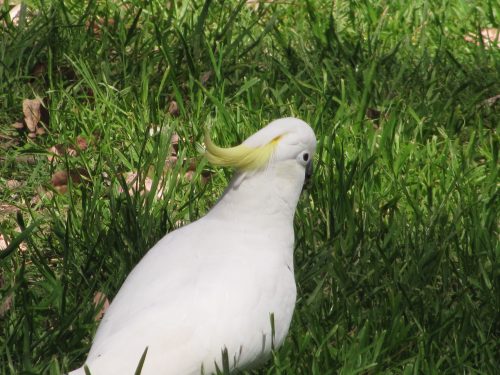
[265, 198]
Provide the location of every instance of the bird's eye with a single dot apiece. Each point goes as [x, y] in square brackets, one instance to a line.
[304, 157]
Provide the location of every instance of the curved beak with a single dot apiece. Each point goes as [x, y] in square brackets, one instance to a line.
[309, 173]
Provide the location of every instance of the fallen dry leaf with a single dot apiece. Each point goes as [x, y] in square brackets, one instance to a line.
[71, 151]
[492, 101]
[22, 246]
[148, 185]
[6, 305]
[41, 193]
[3, 242]
[28, 159]
[253, 4]
[32, 113]
[8, 141]
[174, 141]
[61, 150]
[102, 302]
[6, 209]
[173, 109]
[15, 14]
[35, 200]
[35, 116]
[98, 24]
[60, 179]
[170, 162]
[81, 143]
[13, 184]
[57, 150]
[205, 176]
[191, 163]
[132, 181]
[189, 175]
[490, 37]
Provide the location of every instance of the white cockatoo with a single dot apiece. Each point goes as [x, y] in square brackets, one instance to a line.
[224, 283]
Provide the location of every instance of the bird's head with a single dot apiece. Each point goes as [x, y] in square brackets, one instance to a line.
[287, 144]
[271, 167]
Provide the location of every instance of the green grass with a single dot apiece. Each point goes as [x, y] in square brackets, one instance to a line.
[397, 255]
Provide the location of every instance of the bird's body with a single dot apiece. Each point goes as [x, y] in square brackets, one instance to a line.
[225, 281]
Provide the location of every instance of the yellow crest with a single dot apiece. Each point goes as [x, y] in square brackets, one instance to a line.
[241, 157]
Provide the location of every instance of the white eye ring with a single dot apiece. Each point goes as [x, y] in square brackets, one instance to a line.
[303, 157]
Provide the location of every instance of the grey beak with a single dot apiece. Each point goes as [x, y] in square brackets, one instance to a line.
[309, 172]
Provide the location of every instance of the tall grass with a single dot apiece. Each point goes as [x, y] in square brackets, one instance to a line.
[397, 257]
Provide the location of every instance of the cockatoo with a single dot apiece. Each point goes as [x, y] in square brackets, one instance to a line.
[222, 284]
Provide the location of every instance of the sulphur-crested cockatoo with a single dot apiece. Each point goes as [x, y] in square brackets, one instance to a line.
[222, 283]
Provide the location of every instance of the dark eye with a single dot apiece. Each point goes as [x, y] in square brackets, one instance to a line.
[305, 156]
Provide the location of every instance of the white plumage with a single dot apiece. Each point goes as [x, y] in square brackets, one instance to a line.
[214, 283]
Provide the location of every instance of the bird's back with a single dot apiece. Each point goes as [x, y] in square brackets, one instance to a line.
[204, 287]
